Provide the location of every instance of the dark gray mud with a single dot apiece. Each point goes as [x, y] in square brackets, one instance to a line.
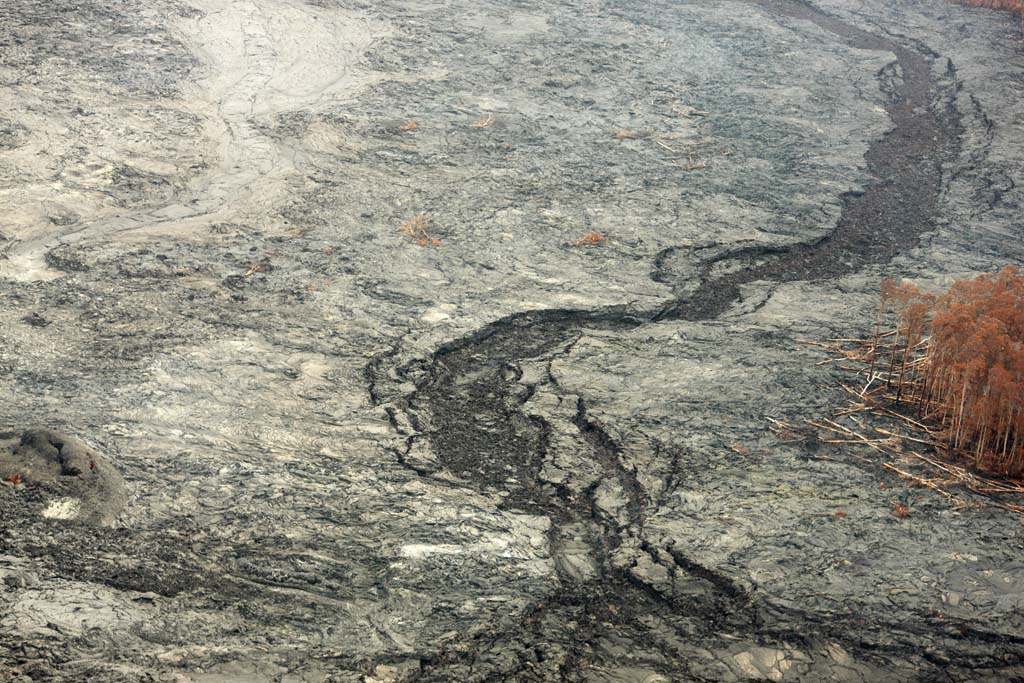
[469, 403]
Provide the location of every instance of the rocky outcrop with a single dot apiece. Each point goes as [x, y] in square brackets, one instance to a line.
[62, 476]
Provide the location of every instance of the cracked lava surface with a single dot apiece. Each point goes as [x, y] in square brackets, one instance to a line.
[267, 436]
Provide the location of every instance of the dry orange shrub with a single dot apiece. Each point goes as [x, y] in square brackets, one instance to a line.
[592, 237]
[416, 228]
[900, 510]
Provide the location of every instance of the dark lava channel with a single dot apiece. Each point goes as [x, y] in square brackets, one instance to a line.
[469, 399]
[890, 216]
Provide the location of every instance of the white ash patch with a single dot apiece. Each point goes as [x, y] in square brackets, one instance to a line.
[63, 508]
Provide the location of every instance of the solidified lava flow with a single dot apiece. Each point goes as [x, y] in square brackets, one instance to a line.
[259, 429]
[473, 395]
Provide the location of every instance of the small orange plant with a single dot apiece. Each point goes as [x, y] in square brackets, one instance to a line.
[416, 228]
[592, 237]
[900, 510]
[485, 121]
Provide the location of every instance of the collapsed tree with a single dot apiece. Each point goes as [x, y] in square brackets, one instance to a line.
[959, 360]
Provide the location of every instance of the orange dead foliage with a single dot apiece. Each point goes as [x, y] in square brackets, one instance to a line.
[1015, 6]
[416, 228]
[962, 364]
[1009, 5]
[592, 237]
[407, 127]
[900, 510]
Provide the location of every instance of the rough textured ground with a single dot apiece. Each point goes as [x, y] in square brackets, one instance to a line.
[349, 457]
